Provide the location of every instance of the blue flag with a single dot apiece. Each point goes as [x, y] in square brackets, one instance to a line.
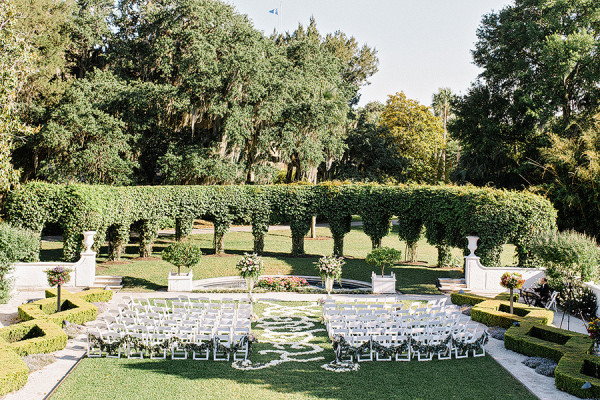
[274, 11]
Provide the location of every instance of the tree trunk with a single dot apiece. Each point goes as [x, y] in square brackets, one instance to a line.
[219, 243]
[375, 243]
[297, 245]
[338, 245]
[259, 244]
[511, 300]
[413, 251]
[313, 227]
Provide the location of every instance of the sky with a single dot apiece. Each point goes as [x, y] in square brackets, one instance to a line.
[422, 45]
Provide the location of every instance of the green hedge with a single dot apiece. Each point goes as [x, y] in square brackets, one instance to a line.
[574, 370]
[448, 213]
[15, 245]
[13, 371]
[462, 299]
[91, 296]
[495, 313]
[77, 310]
[545, 341]
[42, 331]
[33, 337]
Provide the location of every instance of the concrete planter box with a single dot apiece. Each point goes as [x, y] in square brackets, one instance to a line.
[180, 283]
[383, 284]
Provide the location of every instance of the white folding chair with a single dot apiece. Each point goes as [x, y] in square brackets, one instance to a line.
[552, 302]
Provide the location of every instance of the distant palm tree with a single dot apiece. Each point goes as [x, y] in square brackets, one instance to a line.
[442, 107]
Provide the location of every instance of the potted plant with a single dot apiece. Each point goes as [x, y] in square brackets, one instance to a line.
[383, 257]
[58, 276]
[330, 269]
[511, 281]
[250, 267]
[181, 254]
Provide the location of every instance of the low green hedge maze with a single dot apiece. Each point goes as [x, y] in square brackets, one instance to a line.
[13, 371]
[34, 337]
[42, 331]
[496, 313]
[448, 213]
[533, 337]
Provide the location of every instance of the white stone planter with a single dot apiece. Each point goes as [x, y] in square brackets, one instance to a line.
[383, 284]
[180, 283]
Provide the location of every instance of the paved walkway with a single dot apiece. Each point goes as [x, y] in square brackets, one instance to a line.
[42, 382]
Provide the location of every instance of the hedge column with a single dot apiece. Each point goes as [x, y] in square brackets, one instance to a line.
[183, 227]
[376, 224]
[148, 229]
[299, 228]
[339, 227]
[118, 236]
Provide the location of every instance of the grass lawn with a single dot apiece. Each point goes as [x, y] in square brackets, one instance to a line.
[151, 274]
[471, 378]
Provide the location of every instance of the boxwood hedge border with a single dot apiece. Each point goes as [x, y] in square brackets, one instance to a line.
[533, 337]
[42, 332]
[447, 213]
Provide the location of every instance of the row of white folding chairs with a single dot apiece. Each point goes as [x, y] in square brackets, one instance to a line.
[197, 325]
[391, 314]
[390, 339]
[426, 325]
[395, 320]
[160, 313]
[225, 337]
[167, 305]
[332, 304]
[184, 299]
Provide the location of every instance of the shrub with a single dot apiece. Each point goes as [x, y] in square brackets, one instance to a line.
[182, 254]
[91, 296]
[495, 313]
[15, 245]
[282, 284]
[75, 310]
[383, 257]
[567, 255]
[33, 337]
[13, 371]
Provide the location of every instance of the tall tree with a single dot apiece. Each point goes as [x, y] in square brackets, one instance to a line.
[539, 60]
[442, 107]
[17, 63]
[417, 135]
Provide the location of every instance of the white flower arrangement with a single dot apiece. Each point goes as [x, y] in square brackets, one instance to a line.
[330, 267]
[250, 266]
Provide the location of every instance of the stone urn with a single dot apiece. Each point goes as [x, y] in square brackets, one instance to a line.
[88, 240]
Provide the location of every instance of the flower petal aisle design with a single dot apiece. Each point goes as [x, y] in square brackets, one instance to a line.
[290, 329]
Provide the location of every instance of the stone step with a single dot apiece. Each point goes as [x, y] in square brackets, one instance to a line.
[113, 282]
[452, 285]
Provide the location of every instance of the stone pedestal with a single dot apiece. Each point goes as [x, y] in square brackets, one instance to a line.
[383, 284]
[180, 283]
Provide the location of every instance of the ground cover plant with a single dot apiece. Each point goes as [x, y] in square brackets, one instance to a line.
[151, 273]
[466, 378]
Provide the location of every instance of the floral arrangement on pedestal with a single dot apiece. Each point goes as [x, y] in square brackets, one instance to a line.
[330, 269]
[511, 281]
[250, 267]
[58, 276]
[286, 283]
[593, 328]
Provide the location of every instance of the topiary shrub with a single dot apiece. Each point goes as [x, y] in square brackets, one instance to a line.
[382, 257]
[182, 254]
[15, 245]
